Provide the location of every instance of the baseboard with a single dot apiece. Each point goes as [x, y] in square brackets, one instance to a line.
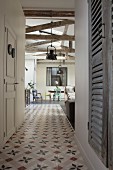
[86, 159]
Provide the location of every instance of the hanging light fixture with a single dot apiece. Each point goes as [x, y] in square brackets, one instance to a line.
[60, 71]
[51, 50]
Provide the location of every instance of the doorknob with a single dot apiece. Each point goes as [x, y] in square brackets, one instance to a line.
[16, 83]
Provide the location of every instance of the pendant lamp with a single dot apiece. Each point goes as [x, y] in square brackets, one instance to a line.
[51, 50]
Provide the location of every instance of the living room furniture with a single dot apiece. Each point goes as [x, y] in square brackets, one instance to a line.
[53, 91]
[70, 111]
[48, 95]
[36, 95]
[70, 104]
[57, 93]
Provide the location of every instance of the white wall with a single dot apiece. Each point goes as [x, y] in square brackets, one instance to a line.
[41, 76]
[12, 12]
[82, 85]
[30, 74]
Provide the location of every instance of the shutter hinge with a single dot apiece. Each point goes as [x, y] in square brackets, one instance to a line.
[5, 29]
[88, 125]
[4, 81]
[4, 134]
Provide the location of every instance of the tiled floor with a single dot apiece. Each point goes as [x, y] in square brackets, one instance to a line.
[45, 141]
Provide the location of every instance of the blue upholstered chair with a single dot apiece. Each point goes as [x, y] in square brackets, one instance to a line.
[36, 95]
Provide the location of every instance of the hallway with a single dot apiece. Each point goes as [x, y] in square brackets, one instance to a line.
[44, 141]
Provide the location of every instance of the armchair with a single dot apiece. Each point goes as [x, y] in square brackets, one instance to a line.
[36, 95]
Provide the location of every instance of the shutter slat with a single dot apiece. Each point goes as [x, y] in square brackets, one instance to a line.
[97, 97]
[98, 134]
[97, 142]
[95, 21]
[97, 60]
[97, 120]
[97, 74]
[97, 86]
[97, 80]
[96, 35]
[97, 127]
[96, 114]
[97, 91]
[96, 9]
[96, 51]
[96, 146]
[94, 3]
[97, 44]
[97, 68]
[96, 39]
[97, 109]
[97, 103]
[97, 25]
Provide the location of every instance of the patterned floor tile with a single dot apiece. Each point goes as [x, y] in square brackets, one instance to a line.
[45, 141]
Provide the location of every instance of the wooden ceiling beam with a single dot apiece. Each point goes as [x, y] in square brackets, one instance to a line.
[67, 49]
[35, 49]
[50, 37]
[49, 25]
[48, 13]
[39, 43]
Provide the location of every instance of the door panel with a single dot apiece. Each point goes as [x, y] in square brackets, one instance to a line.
[10, 62]
[10, 113]
[9, 83]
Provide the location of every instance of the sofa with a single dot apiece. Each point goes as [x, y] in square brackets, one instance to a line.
[70, 104]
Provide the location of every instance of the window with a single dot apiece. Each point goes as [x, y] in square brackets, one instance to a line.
[58, 74]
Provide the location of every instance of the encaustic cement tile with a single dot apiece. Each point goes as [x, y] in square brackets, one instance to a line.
[45, 141]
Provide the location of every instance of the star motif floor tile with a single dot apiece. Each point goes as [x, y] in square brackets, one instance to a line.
[44, 141]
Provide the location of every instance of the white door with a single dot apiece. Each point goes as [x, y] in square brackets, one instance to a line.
[9, 82]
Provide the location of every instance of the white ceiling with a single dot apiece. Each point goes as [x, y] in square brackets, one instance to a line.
[49, 4]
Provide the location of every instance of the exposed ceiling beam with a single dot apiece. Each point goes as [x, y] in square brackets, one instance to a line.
[50, 37]
[48, 13]
[71, 56]
[35, 49]
[49, 25]
[67, 49]
[39, 43]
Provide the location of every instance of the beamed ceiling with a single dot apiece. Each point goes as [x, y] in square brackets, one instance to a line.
[46, 26]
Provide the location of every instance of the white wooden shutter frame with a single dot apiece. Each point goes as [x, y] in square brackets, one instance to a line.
[99, 59]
